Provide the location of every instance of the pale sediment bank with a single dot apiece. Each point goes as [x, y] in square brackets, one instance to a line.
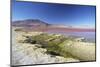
[83, 51]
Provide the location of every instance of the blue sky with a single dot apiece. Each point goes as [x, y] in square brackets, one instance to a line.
[74, 15]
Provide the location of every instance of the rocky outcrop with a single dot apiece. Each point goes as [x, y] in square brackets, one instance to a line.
[27, 53]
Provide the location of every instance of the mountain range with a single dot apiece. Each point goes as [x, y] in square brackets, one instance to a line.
[38, 25]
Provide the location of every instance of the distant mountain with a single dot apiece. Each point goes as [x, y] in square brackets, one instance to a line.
[38, 25]
[29, 23]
